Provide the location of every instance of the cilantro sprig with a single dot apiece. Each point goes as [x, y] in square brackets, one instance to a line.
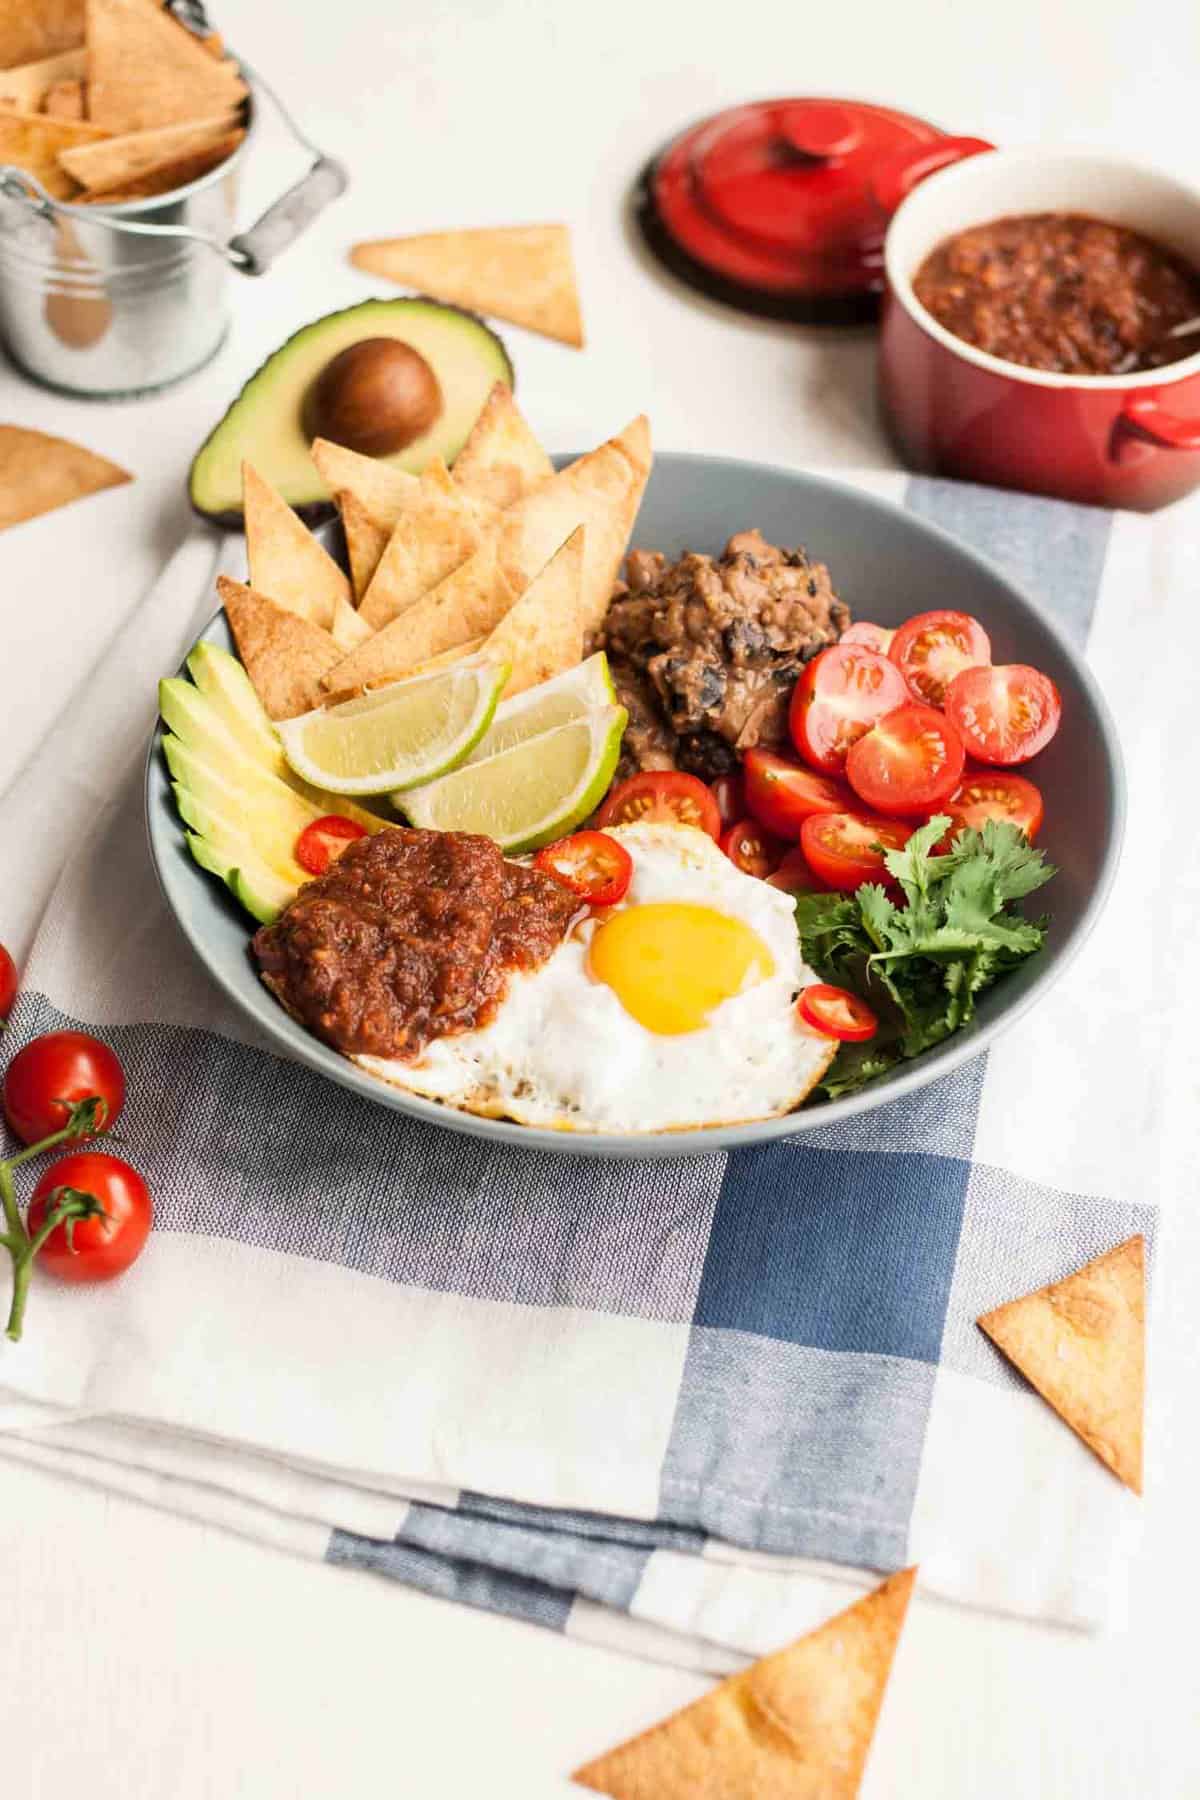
[922, 964]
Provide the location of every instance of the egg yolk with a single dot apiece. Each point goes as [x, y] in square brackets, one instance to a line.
[669, 965]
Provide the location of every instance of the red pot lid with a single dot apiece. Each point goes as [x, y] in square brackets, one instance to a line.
[776, 205]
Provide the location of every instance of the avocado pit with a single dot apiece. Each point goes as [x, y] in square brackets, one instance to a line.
[375, 397]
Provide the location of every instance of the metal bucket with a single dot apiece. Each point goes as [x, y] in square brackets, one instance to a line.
[110, 302]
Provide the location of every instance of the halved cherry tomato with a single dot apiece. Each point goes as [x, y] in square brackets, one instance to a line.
[729, 792]
[982, 795]
[908, 763]
[666, 795]
[794, 875]
[55, 1073]
[837, 1013]
[751, 849]
[781, 793]
[1004, 714]
[592, 864]
[323, 841]
[839, 697]
[875, 637]
[845, 849]
[8, 983]
[97, 1248]
[932, 648]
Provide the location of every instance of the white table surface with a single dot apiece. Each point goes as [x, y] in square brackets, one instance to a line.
[150, 1659]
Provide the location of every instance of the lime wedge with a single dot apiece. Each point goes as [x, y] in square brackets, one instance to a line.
[556, 702]
[398, 735]
[531, 794]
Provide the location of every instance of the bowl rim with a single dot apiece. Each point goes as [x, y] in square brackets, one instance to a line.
[898, 281]
[292, 1040]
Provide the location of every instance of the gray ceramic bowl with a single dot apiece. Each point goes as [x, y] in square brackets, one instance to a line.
[888, 564]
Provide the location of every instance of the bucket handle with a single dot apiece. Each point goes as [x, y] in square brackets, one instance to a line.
[253, 251]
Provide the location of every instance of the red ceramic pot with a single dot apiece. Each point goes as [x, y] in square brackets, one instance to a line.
[1111, 440]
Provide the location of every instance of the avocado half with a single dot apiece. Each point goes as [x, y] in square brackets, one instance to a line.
[265, 424]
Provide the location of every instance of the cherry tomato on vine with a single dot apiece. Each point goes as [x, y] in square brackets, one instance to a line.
[839, 696]
[985, 794]
[781, 792]
[55, 1073]
[8, 983]
[845, 849]
[92, 1249]
[1004, 714]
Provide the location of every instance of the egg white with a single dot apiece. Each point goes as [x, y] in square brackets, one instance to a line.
[562, 1052]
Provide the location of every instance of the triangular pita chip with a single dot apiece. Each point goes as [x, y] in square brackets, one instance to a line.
[522, 273]
[117, 161]
[32, 142]
[30, 29]
[796, 1725]
[284, 655]
[501, 460]
[286, 560]
[601, 491]
[28, 84]
[542, 633]
[169, 175]
[1081, 1342]
[366, 540]
[144, 69]
[384, 491]
[349, 629]
[65, 100]
[38, 473]
[436, 534]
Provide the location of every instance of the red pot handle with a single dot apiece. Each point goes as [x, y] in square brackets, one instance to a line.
[897, 176]
[1142, 416]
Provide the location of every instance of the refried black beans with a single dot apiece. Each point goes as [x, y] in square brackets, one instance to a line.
[1064, 292]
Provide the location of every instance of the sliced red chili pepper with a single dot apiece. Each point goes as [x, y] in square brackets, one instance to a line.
[592, 864]
[837, 1013]
[323, 841]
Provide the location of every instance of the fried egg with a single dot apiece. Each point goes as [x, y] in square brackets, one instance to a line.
[674, 1009]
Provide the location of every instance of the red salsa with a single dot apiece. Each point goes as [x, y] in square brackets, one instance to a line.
[1064, 292]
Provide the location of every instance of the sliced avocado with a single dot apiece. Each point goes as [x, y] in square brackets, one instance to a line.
[266, 424]
[220, 816]
[223, 681]
[263, 894]
[195, 720]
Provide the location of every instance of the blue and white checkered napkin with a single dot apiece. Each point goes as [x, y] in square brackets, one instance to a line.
[666, 1406]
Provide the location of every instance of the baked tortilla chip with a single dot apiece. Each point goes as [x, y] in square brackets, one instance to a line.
[65, 100]
[117, 162]
[1081, 1342]
[284, 655]
[469, 604]
[542, 632]
[366, 540]
[286, 561]
[28, 84]
[796, 1725]
[33, 142]
[34, 29]
[349, 629]
[168, 176]
[522, 273]
[39, 473]
[501, 460]
[380, 489]
[434, 536]
[601, 491]
[144, 69]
